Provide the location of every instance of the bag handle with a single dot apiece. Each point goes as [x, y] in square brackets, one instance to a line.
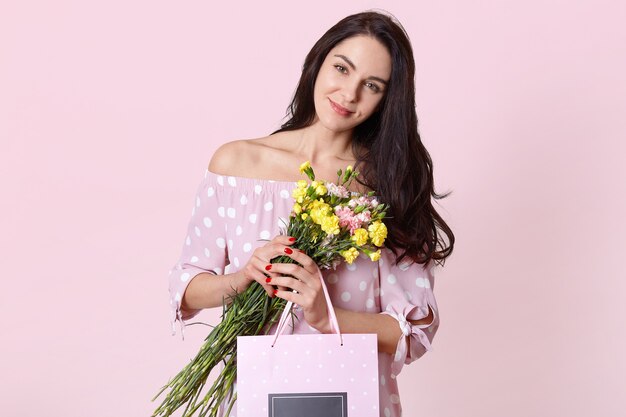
[332, 317]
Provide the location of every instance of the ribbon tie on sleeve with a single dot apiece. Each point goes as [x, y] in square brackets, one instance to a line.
[408, 329]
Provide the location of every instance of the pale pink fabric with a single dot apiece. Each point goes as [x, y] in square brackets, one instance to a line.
[230, 217]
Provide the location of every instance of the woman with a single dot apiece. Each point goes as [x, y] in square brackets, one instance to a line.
[354, 105]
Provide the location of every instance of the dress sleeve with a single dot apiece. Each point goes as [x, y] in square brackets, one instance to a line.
[406, 293]
[204, 249]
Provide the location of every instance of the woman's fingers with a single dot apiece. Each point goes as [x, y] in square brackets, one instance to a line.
[259, 269]
[288, 284]
[252, 273]
[309, 278]
[284, 239]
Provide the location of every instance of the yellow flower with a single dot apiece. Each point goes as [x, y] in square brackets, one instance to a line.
[330, 224]
[321, 190]
[297, 208]
[298, 193]
[360, 236]
[304, 216]
[349, 168]
[374, 256]
[302, 184]
[377, 232]
[315, 184]
[304, 166]
[350, 255]
[319, 210]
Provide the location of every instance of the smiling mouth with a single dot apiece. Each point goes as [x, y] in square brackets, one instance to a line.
[340, 110]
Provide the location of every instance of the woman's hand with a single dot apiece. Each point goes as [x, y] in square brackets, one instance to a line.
[256, 267]
[305, 280]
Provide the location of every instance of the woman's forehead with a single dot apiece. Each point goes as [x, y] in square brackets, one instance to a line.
[363, 53]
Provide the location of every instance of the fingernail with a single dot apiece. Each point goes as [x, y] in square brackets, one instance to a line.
[268, 267]
[301, 251]
[292, 239]
[275, 292]
[268, 280]
[288, 251]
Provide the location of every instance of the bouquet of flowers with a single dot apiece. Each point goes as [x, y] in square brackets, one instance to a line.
[331, 225]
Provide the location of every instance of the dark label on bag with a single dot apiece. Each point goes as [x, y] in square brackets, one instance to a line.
[326, 404]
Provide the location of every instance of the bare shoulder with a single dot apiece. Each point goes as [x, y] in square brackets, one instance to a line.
[226, 157]
[239, 157]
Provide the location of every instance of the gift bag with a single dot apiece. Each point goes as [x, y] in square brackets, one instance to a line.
[307, 375]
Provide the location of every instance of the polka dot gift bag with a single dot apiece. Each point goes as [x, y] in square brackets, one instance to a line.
[307, 375]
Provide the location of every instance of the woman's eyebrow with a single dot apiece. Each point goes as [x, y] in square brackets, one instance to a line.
[372, 77]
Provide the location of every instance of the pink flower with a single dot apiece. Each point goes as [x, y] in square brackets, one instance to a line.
[355, 223]
[364, 216]
[345, 214]
[348, 219]
[338, 190]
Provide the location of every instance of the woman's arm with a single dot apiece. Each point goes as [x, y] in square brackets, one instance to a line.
[385, 326]
[207, 290]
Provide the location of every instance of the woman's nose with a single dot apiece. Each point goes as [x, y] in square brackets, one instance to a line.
[351, 91]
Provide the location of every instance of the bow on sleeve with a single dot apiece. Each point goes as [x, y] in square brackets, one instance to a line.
[411, 333]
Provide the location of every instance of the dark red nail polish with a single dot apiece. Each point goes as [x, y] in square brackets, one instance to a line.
[268, 267]
[292, 239]
[301, 251]
[288, 251]
[275, 292]
[268, 280]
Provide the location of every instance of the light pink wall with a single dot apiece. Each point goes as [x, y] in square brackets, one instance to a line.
[110, 111]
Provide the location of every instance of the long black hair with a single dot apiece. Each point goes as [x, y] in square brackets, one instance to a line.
[389, 153]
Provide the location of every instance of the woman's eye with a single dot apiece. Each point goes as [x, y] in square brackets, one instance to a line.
[340, 67]
[373, 86]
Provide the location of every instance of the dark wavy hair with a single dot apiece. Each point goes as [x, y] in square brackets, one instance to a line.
[389, 153]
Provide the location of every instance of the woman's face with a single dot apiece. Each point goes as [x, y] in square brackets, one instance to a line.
[353, 77]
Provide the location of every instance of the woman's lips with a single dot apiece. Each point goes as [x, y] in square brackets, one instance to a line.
[338, 109]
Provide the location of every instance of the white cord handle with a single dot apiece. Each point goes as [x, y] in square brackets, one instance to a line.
[332, 318]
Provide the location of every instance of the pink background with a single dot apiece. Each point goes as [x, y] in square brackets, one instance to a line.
[110, 112]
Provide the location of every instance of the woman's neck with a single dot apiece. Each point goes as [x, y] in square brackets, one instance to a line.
[318, 145]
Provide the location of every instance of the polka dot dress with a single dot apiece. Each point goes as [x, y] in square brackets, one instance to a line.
[232, 216]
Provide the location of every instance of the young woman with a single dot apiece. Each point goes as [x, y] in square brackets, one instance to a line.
[354, 105]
